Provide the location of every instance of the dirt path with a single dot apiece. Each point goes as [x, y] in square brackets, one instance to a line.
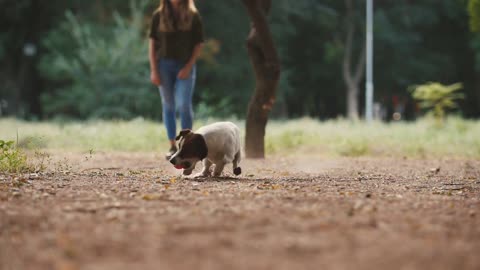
[132, 211]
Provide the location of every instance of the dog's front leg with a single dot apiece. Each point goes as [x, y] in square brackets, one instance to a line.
[206, 168]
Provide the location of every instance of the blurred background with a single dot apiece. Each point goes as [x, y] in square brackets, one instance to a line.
[82, 59]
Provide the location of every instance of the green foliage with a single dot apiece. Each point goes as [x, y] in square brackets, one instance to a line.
[2, 46]
[438, 98]
[210, 105]
[12, 160]
[474, 11]
[94, 61]
[103, 69]
[225, 81]
[475, 45]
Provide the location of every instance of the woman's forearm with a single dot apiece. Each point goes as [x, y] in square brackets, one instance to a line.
[151, 55]
[195, 54]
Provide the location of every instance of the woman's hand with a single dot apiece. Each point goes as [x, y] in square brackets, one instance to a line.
[155, 78]
[184, 72]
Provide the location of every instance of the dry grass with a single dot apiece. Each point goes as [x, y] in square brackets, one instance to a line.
[457, 138]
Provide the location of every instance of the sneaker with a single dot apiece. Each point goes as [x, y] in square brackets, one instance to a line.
[171, 152]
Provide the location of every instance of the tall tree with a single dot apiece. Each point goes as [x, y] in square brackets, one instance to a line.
[351, 77]
[266, 65]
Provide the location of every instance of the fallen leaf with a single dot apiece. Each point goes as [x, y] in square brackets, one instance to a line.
[274, 187]
[149, 197]
[155, 197]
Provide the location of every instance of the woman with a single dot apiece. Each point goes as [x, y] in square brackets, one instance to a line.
[176, 38]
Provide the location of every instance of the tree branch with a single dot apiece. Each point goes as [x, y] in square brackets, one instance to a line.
[360, 68]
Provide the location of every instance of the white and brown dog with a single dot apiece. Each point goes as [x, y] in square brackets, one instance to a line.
[215, 144]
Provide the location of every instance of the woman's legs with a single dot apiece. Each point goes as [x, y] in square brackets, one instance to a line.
[168, 76]
[184, 94]
[176, 94]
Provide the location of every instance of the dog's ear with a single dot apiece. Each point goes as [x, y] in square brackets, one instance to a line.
[201, 149]
[183, 133]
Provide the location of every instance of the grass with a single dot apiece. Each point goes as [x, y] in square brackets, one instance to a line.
[457, 138]
[12, 159]
[423, 138]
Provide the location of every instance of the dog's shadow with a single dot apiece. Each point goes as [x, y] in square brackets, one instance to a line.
[214, 178]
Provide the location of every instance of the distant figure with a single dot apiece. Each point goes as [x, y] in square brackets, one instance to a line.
[176, 38]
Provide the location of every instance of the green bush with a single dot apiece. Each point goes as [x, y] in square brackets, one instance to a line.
[474, 11]
[438, 98]
[102, 70]
[12, 160]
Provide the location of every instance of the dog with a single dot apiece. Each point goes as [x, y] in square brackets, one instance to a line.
[215, 144]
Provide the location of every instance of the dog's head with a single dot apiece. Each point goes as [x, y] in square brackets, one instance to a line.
[191, 149]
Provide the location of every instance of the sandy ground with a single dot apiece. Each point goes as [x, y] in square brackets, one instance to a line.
[134, 211]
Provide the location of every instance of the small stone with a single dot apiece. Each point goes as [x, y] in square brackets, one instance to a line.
[358, 205]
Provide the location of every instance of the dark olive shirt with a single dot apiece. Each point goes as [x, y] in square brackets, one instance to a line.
[177, 45]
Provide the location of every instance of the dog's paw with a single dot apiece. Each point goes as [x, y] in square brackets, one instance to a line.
[187, 172]
[201, 175]
[237, 171]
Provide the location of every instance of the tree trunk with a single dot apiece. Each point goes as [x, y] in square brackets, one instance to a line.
[352, 102]
[352, 81]
[266, 65]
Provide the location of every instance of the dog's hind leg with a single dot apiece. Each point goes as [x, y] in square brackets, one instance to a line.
[237, 170]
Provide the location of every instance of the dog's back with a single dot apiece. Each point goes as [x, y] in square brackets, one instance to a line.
[223, 140]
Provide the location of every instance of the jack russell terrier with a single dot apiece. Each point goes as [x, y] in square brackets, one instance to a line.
[215, 144]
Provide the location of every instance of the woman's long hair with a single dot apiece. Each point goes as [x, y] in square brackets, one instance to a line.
[171, 21]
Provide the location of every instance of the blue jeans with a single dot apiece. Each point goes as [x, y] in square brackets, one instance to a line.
[176, 95]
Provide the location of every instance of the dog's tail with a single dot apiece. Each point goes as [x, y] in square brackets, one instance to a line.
[236, 169]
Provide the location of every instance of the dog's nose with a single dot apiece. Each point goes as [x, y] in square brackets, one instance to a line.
[173, 161]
